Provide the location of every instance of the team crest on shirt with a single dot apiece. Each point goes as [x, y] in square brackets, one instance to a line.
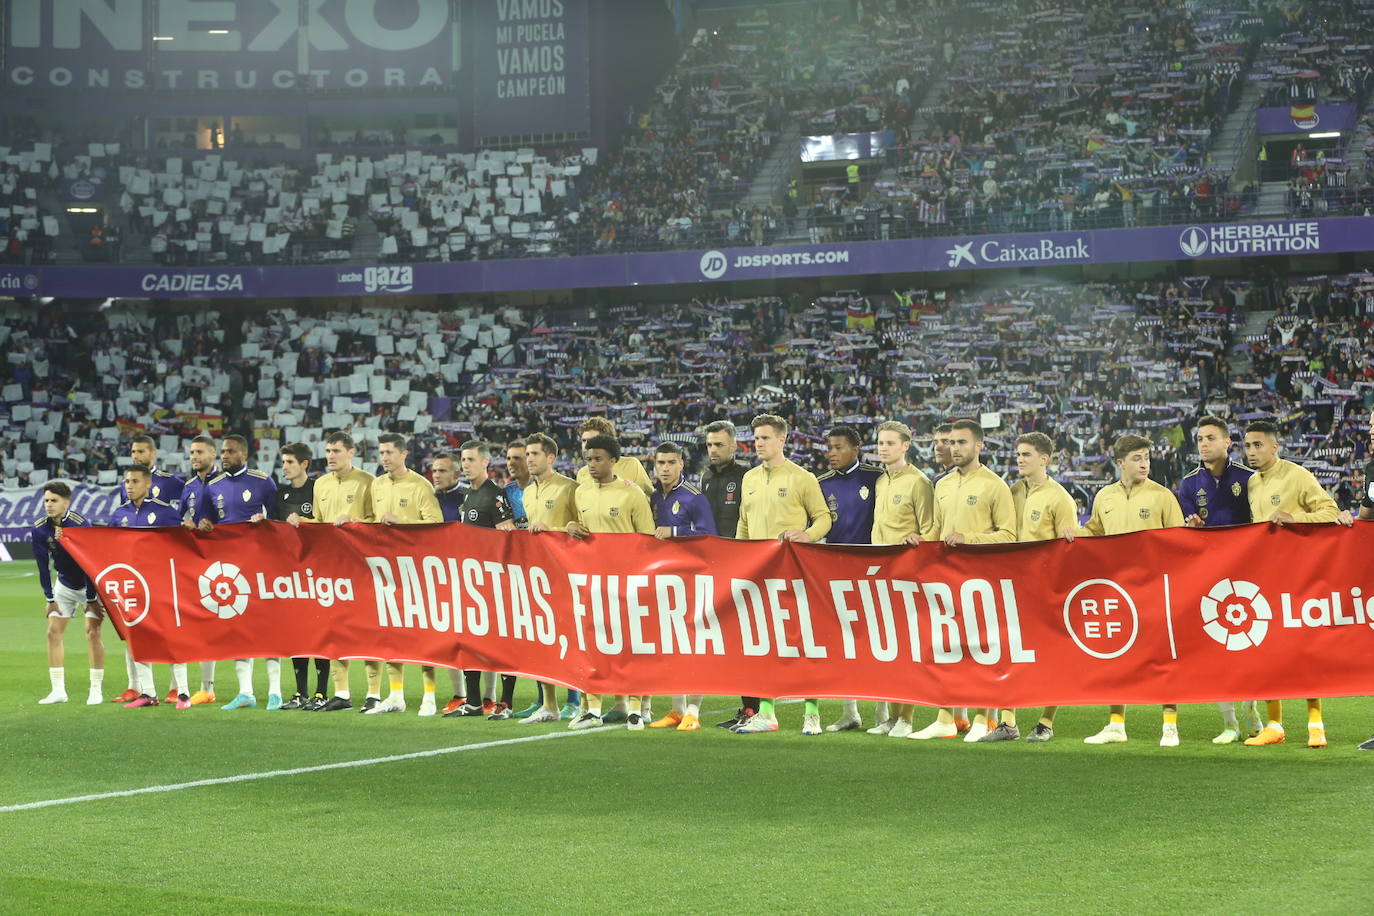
[1275, 499]
[403, 501]
[1144, 512]
[1035, 515]
[677, 507]
[248, 496]
[348, 497]
[782, 492]
[152, 517]
[863, 493]
[125, 521]
[972, 499]
[1202, 499]
[834, 505]
[549, 503]
[615, 512]
[896, 499]
[1235, 489]
[157, 491]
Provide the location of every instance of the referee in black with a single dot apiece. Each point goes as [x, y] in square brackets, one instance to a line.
[485, 506]
[721, 482]
[297, 495]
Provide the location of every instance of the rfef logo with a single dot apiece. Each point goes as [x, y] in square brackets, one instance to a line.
[713, 264]
[223, 590]
[1236, 614]
[124, 591]
[1101, 618]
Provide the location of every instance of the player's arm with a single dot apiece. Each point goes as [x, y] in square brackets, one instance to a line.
[742, 526]
[1170, 512]
[923, 503]
[362, 508]
[813, 501]
[1366, 508]
[1317, 504]
[40, 556]
[699, 514]
[1093, 529]
[505, 513]
[641, 515]
[428, 505]
[641, 477]
[1003, 520]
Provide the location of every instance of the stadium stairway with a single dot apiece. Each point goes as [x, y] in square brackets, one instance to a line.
[767, 186]
[1235, 149]
[1273, 199]
[66, 247]
[367, 241]
[1255, 323]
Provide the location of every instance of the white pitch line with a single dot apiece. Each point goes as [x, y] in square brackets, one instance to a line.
[319, 768]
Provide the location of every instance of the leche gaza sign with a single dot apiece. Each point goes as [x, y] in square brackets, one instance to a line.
[903, 256]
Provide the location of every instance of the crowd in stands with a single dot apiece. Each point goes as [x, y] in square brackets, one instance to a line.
[1082, 363]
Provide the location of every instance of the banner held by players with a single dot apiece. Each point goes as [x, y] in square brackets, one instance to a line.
[1170, 616]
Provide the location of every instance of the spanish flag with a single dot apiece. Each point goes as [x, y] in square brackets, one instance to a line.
[1304, 116]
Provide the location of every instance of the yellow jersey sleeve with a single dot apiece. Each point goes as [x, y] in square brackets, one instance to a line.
[813, 500]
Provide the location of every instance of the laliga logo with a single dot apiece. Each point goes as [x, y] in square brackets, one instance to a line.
[123, 589]
[223, 590]
[713, 264]
[1235, 614]
[1193, 242]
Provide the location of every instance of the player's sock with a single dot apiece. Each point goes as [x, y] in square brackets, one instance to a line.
[508, 689]
[574, 696]
[1118, 718]
[850, 709]
[340, 672]
[813, 708]
[594, 707]
[1274, 709]
[301, 667]
[243, 668]
[427, 679]
[1009, 717]
[1228, 715]
[549, 695]
[1171, 718]
[397, 684]
[273, 666]
[1047, 721]
[131, 669]
[98, 679]
[143, 674]
[374, 679]
[679, 701]
[58, 677]
[488, 685]
[207, 677]
[946, 717]
[633, 705]
[766, 709]
[694, 704]
[980, 718]
[1314, 713]
[322, 676]
[961, 712]
[181, 682]
[474, 687]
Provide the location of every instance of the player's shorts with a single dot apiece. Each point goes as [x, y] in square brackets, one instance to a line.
[72, 601]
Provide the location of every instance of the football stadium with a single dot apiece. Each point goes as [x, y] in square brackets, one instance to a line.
[538, 459]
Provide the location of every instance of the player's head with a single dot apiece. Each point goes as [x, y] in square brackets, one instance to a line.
[668, 464]
[1213, 439]
[941, 435]
[442, 472]
[138, 480]
[1261, 444]
[595, 426]
[1033, 453]
[540, 454]
[601, 453]
[339, 449]
[515, 459]
[965, 443]
[202, 454]
[295, 461]
[143, 450]
[720, 442]
[233, 453]
[841, 447]
[391, 452]
[770, 437]
[475, 457]
[894, 437]
[57, 497]
[1132, 454]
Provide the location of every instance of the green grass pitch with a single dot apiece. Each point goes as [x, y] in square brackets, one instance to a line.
[610, 821]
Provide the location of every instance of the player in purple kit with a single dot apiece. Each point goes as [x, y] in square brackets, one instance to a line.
[201, 453]
[680, 510]
[1213, 494]
[848, 488]
[237, 495]
[69, 595]
[143, 510]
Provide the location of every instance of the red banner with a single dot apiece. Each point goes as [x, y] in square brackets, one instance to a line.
[1181, 615]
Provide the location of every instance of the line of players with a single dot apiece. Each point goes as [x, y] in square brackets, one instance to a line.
[854, 502]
